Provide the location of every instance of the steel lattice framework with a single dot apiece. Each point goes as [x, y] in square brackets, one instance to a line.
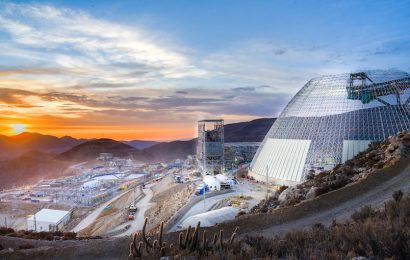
[338, 115]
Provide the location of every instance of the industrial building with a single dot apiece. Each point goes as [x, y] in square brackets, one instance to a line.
[48, 220]
[239, 153]
[210, 149]
[330, 120]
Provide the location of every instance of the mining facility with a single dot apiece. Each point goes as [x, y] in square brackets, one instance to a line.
[331, 119]
[210, 149]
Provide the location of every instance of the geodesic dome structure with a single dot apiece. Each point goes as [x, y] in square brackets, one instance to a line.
[330, 120]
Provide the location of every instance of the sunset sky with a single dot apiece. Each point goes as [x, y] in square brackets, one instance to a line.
[150, 69]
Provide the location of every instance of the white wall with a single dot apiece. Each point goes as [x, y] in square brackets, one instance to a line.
[285, 159]
[45, 226]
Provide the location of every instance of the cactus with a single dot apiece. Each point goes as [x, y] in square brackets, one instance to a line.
[232, 238]
[204, 241]
[144, 234]
[161, 232]
[134, 250]
[194, 239]
[221, 239]
[233, 235]
[187, 236]
[180, 238]
[163, 251]
[155, 244]
[147, 245]
[215, 239]
[140, 246]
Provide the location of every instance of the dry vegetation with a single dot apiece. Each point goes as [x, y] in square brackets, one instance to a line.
[379, 155]
[380, 233]
[53, 235]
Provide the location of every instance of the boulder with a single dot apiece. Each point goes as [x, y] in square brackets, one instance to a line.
[289, 193]
[311, 193]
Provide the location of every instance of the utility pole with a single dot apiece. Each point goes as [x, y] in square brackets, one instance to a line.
[204, 197]
[35, 223]
[267, 182]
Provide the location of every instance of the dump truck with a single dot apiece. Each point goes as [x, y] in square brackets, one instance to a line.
[132, 209]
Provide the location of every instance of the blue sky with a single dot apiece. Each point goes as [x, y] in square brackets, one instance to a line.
[136, 65]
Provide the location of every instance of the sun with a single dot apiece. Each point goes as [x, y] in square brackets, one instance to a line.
[18, 128]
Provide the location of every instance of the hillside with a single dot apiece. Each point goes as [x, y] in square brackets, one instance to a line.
[252, 131]
[168, 152]
[14, 146]
[140, 144]
[90, 150]
[29, 168]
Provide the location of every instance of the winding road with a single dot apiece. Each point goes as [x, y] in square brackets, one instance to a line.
[375, 197]
[93, 215]
[142, 206]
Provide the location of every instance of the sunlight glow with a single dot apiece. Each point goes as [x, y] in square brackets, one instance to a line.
[18, 128]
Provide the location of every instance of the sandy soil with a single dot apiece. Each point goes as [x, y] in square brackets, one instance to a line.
[169, 198]
[113, 215]
[339, 204]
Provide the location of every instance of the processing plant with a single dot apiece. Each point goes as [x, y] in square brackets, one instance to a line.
[330, 120]
[210, 149]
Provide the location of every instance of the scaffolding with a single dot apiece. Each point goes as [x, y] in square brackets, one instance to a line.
[331, 119]
[210, 149]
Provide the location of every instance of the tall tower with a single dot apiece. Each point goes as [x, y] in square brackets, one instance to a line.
[210, 149]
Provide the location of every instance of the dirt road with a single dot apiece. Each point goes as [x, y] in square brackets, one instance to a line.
[374, 197]
[142, 206]
[93, 215]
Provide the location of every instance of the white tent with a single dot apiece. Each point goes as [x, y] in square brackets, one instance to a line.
[212, 182]
[211, 218]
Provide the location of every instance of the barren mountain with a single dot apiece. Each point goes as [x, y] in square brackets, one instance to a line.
[140, 144]
[30, 168]
[14, 146]
[91, 150]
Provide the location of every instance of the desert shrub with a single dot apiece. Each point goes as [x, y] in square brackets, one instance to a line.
[363, 214]
[25, 246]
[397, 195]
[58, 233]
[69, 235]
[240, 213]
[310, 175]
[282, 188]
[5, 231]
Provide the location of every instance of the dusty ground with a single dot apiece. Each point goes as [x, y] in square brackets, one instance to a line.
[338, 204]
[371, 191]
[169, 198]
[115, 214]
[77, 215]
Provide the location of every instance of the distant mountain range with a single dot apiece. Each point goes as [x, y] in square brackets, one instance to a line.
[28, 157]
[14, 146]
[90, 150]
[140, 144]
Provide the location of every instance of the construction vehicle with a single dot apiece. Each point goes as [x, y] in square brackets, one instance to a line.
[132, 209]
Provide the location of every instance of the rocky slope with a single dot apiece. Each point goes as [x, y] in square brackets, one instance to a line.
[379, 155]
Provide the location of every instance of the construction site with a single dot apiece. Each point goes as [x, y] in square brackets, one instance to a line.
[112, 196]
